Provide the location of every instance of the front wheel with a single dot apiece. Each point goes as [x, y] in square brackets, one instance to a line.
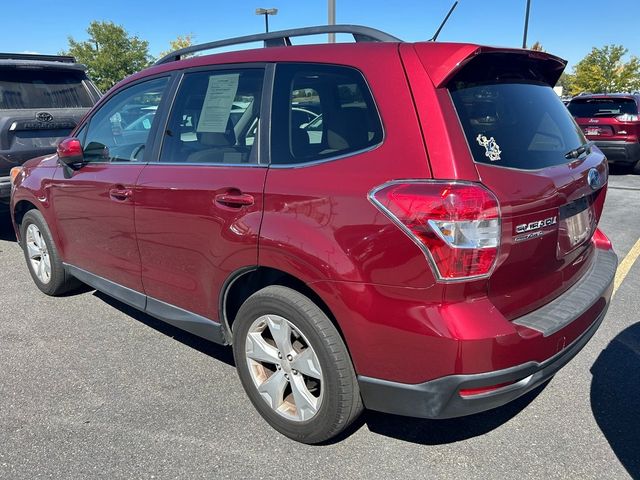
[294, 365]
[41, 254]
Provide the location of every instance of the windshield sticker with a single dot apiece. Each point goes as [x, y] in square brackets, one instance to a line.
[492, 149]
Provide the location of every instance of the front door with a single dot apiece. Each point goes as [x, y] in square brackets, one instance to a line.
[94, 205]
[199, 207]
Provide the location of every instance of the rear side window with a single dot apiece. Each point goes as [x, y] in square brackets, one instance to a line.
[320, 112]
[515, 124]
[42, 88]
[602, 107]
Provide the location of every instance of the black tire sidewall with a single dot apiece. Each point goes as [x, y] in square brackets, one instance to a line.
[322, 425]
[58, 277]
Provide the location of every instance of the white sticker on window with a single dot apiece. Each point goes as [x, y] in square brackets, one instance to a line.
[492, 149]
[218, 100]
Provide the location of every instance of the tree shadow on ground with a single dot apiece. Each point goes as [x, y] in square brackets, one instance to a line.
[615, 396]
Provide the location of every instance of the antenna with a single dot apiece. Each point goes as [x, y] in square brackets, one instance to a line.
[435, 35]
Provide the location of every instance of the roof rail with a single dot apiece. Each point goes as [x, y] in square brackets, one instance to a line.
[282, 38]
[38, 57]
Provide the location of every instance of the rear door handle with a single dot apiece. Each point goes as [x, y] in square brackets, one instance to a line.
[120, 193]
[235, 200]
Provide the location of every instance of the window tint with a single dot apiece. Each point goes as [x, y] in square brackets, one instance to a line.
[42, 88]
[214, 119]
[118, 131]
[321, 111]
[602, 107]
[518, 125]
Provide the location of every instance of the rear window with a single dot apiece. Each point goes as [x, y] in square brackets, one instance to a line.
[602, 107]
[515, 124]
[20, 89]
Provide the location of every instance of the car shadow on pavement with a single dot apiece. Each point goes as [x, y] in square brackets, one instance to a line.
[6, 228]
[615, 396]
[218, 352]
[438, 432]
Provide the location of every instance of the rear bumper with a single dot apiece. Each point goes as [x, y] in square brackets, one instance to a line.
[620, 152]
[441, 398]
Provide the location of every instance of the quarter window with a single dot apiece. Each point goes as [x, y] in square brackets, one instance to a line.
[119, 130]
[321, 111]
[215, 118]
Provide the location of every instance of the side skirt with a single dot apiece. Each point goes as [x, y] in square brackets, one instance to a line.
[183, 319]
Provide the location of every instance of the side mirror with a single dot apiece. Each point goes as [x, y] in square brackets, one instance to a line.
[70, 153]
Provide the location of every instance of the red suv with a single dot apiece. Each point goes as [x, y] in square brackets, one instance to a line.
[613, 123]
[422, 241]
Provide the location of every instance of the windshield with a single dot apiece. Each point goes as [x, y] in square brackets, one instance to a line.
[602, 107]
[516, 125]
[20, 89]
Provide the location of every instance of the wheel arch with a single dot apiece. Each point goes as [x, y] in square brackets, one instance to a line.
[19, 211]
[245, 281]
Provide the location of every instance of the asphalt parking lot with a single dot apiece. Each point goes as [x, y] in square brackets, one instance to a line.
[91, 389]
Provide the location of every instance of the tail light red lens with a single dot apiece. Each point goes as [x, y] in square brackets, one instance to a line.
[456, 224]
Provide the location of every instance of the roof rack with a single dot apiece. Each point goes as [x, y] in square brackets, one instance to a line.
[282, 38]
[38, 57]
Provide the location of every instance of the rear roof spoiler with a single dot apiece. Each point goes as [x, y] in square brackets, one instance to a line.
[443, 61]
[37, 57]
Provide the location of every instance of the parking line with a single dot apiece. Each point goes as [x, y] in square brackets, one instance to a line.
[625, 265]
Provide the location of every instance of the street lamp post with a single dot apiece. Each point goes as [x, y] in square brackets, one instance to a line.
[526, 25]
[266, 12]
[331, 7]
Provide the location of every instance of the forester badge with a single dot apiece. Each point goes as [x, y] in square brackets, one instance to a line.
[492, 148]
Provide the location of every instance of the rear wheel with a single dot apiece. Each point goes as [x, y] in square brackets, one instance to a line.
[41, 254]
[636, 168]
[294, 366]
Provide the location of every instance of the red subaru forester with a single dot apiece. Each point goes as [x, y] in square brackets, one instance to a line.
[406, 227]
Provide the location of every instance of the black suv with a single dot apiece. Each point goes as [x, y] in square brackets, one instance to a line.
[42, 98]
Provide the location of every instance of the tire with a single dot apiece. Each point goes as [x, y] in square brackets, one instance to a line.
[41, 254]
[310, 396]
[636, 168]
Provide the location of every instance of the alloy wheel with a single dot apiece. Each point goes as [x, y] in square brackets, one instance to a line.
[284, 367]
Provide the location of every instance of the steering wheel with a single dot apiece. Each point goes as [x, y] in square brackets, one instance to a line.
[136, 151]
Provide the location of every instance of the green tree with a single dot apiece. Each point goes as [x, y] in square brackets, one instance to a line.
[604, 70]
[110, 53]
[566, 81]
[181, 41]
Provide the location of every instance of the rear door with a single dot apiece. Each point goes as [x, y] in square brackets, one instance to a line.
[199, 204]
[528, 150]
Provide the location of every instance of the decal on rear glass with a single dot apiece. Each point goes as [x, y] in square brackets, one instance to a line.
[492, 149]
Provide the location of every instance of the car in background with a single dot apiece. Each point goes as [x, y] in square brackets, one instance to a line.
[612, 122]
[42, 98]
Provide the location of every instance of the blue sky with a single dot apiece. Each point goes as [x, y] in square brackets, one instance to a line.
[568, 28]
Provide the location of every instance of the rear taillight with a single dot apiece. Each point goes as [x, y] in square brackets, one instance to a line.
[627, 117]
[456, 224]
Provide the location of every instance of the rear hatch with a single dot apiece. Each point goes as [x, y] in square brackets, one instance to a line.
[607, 118]
[38, 107]
[530, 153]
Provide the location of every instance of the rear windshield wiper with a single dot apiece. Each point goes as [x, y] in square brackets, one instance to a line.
[576, 152]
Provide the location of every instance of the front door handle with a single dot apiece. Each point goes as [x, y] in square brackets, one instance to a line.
[235, 200]
[120, 193]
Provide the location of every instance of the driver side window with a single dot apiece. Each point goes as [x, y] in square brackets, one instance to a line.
[119, 130]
